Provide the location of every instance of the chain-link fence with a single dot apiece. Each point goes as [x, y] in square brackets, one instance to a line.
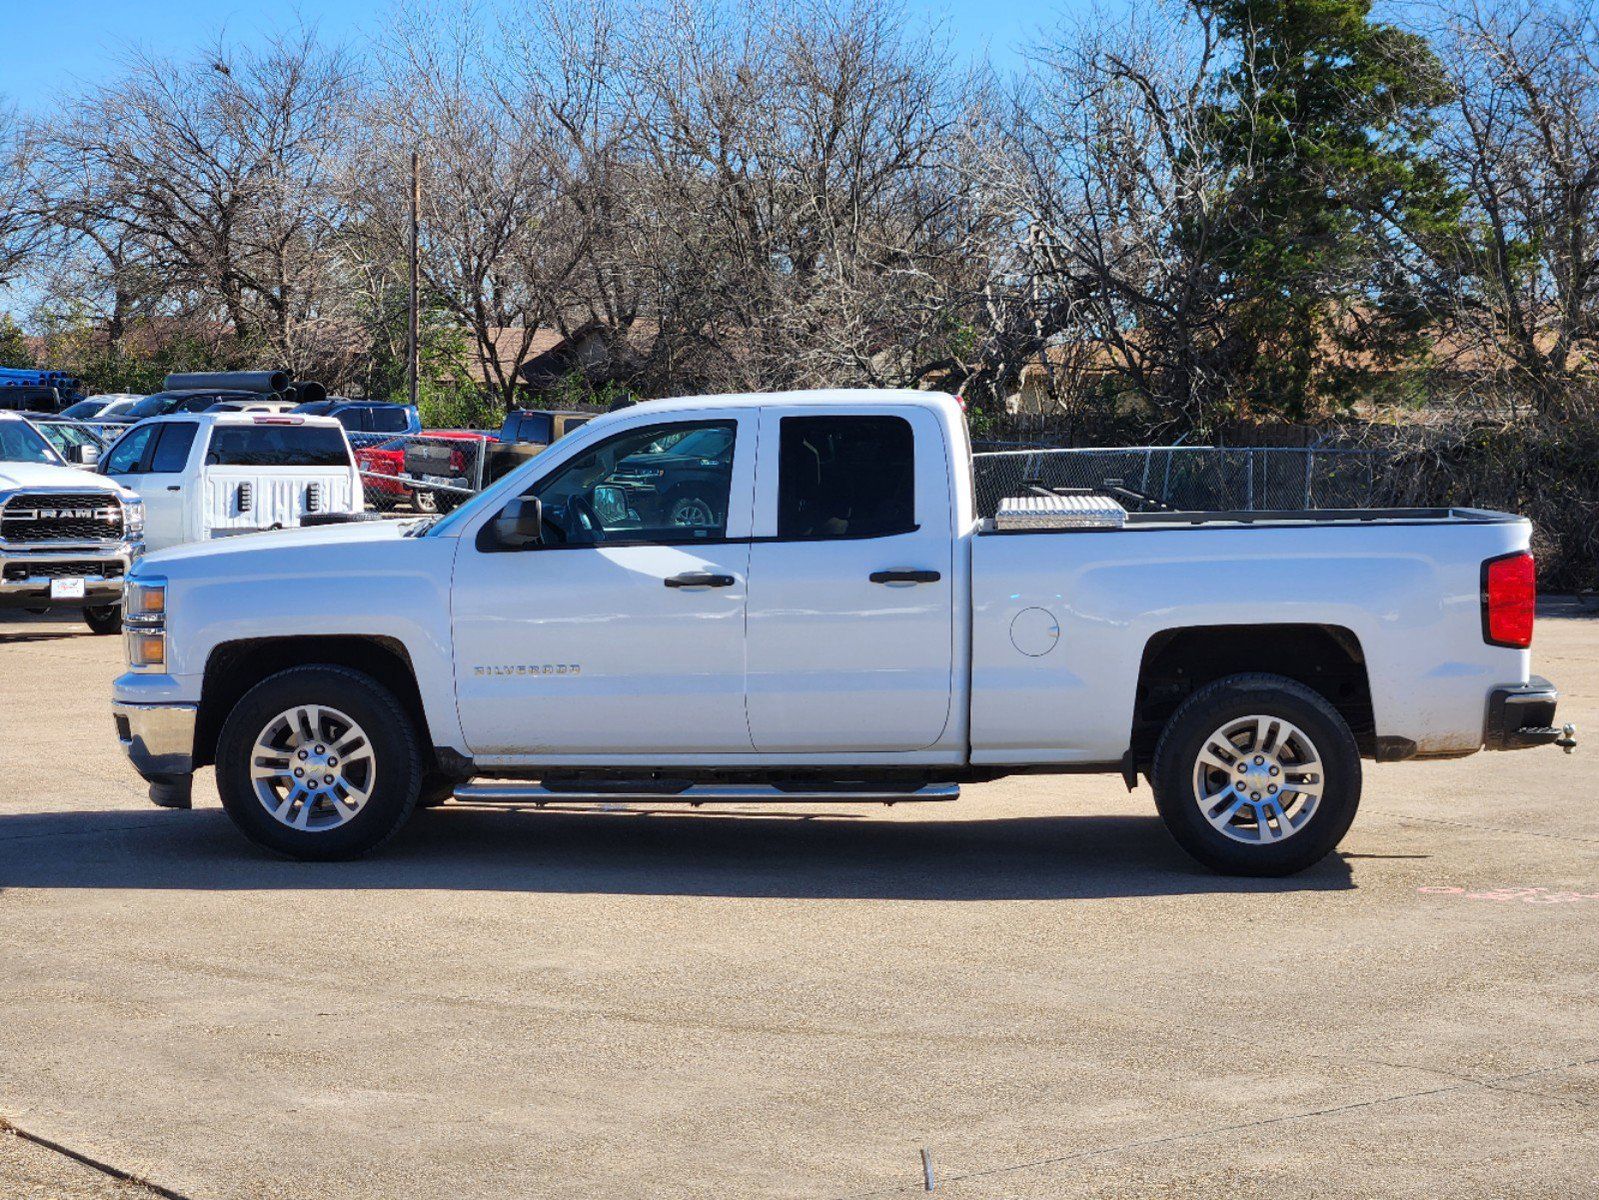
[1195, 478]
[106, 431]
[406, 474]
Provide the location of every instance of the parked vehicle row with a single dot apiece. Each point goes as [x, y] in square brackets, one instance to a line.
[792, 597]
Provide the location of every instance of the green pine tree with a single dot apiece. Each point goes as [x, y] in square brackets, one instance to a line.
[1318, 135]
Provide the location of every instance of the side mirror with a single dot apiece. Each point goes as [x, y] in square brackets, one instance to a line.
[520, 523]
[85, 455]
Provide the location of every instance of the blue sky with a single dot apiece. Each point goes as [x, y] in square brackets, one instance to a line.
[54, 44]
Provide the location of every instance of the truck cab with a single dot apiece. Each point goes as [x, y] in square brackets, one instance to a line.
[830, 619]
[365, 417]
[526, 432]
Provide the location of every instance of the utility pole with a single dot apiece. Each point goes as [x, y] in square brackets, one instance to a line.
[413, 339]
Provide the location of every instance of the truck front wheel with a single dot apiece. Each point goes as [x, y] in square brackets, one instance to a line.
[318, 763]
[103, 618]
[1257, 775]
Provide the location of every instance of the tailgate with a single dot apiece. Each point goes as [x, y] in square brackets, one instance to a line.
[242, 499]
[432, 461]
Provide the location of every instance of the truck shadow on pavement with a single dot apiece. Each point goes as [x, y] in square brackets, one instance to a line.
[647, 852]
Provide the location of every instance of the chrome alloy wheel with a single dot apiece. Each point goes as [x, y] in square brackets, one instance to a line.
[312, 768]
[1258, 779]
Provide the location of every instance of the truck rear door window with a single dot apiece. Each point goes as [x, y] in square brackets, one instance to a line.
[388, 420]
[277, 446]
[533, 427]
[172, 447]
[846, 477]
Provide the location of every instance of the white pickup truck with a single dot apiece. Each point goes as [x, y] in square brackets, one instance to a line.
[218, 474]
[830, 621]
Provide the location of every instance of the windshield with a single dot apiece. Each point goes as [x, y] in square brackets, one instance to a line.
[83, 409]
[21, 443]
[701, 443]
[150, 406]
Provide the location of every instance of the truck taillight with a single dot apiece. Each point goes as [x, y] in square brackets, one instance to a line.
[1509, 596]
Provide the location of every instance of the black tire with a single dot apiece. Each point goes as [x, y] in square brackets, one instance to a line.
[103, 618]
[397, 762]
[1209, 710]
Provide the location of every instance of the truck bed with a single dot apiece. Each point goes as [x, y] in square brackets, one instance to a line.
[1298, 518]
[1060, 623]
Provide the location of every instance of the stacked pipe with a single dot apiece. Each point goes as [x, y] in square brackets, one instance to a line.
[66, 384]
[273, 384]
[238, 381]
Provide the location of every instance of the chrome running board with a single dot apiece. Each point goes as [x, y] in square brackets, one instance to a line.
[705, 793]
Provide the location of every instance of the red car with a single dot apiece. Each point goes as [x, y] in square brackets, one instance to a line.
[391, 469]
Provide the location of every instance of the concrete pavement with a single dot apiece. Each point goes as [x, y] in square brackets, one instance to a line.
[1033, 984]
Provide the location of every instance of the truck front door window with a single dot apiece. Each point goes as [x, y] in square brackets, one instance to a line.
[127, 455]
[655, 485]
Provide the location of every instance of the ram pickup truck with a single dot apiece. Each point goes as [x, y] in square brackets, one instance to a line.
[839, 624]
[67, 537]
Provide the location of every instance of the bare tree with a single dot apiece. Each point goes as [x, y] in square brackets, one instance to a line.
[798, 216]
[512, 129]
[1523, 142]
[1097, 174]
[20, 222]
[214, 179]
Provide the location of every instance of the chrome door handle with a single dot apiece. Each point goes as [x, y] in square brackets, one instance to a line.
[904, 576]
[698, 579]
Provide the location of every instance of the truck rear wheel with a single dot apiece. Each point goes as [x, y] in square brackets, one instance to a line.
[1257, 775]
[318, 763]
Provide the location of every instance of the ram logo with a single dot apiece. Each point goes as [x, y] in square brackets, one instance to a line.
[528, 669]
[61, 514]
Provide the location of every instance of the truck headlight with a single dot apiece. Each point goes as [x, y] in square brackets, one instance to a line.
[144, 602]
[144, 624]
[135, 515]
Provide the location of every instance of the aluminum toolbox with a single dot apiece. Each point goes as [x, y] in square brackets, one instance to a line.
[1060, 512]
